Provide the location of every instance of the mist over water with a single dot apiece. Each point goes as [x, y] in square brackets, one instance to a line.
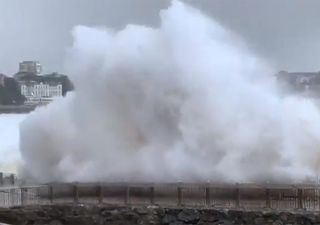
[9, 141]
[182, 102]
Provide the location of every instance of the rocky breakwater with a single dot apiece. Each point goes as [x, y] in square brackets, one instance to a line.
[111, 215]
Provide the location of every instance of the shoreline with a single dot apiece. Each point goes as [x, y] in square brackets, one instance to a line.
[16, 109]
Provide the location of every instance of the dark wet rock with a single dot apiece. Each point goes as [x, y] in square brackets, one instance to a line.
[211, 215]
[131, 216]
[111, 215]
[141, 211]
[99, 220]
[177, 223]
[258, 220]
[277, 222]
[174, 211]
[168, 218]
[149, 220]
[55, 222]
[190, 216]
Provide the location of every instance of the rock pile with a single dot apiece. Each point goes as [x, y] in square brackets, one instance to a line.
[115, 215]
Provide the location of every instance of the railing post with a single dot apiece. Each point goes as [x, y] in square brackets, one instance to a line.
[318, 198]
[208, 202]
[268, 198]
[180, 195]
[152, 195]
[127, 197]
[300, 198]
[75, 193]
[100, 193]
[237, 196]
[1, 179]
[50, 194]
[11, 193]
[23, 196]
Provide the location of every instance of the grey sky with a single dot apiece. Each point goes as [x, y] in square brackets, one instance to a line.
[284, 32]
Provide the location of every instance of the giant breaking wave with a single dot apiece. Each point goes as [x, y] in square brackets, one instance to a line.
[186, 101]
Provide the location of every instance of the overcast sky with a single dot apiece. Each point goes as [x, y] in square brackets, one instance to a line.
[286, 33]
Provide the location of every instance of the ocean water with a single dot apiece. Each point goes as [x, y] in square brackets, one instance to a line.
[9, 141]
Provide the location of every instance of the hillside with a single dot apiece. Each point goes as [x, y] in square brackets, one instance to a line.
[10, 93]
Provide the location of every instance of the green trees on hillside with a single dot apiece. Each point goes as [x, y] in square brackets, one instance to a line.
[10, 93]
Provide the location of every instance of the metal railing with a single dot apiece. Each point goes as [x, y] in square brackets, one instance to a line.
[244, 196]
[18, 196]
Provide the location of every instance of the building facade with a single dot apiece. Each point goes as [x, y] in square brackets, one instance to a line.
[307, 83]
[41, 92]
[31, 67]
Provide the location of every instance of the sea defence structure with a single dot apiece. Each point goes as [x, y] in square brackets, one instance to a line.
[153, 215]
[167, 203]
[246, 196]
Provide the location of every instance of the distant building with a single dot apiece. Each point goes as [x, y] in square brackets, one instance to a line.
[299, 81]
[30, 67]
[2, 79]
[41, 92]
[41, 88]
[59, 78]
[299, 78]
[7, 179]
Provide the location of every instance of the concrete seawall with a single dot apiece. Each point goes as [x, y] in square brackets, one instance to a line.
[16, 109]
[226, 196]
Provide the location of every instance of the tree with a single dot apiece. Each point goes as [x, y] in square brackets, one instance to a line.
[10, 93]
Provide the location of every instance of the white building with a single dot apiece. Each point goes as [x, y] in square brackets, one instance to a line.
[32, 67]
[41, 92]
